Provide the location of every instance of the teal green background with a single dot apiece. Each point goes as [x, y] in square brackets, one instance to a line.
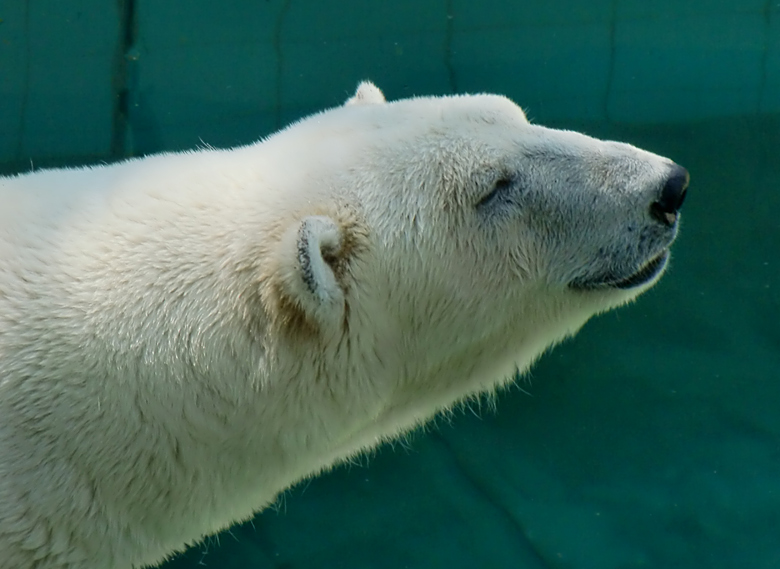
[650, 440]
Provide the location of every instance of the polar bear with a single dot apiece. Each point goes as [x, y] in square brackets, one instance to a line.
[184, 336]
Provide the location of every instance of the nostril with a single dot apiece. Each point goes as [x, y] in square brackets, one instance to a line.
[673, 192]
[665, 208]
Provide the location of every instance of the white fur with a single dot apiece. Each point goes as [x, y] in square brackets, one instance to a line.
[168, 364]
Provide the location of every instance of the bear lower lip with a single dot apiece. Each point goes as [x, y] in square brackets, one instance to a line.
[645, 274]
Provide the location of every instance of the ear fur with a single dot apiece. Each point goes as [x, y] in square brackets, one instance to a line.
[310, 254]
[367, 94]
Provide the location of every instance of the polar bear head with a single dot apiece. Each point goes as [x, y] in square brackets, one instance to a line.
[448, 241]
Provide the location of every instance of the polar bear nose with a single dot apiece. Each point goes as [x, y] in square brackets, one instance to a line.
[665, 208]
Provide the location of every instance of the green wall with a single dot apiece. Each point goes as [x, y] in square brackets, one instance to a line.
[88, 79]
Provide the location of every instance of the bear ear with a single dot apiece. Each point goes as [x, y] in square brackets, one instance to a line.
[312, 266]
[367, 94]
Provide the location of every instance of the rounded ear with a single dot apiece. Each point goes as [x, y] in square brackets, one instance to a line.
[367, 94]
[311, 267]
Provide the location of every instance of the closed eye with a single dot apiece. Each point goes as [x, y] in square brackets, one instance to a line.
[499, 187]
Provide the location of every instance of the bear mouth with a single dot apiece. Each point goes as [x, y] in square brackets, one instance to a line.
[646, 273]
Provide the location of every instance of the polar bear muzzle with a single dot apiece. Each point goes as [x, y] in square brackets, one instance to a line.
[638, 272]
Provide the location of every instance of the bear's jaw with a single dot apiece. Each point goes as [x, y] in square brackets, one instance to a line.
[648, 272]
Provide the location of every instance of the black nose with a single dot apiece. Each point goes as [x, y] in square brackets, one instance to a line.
[672, 195]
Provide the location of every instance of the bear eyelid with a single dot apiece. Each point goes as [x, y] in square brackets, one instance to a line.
[499, 186]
